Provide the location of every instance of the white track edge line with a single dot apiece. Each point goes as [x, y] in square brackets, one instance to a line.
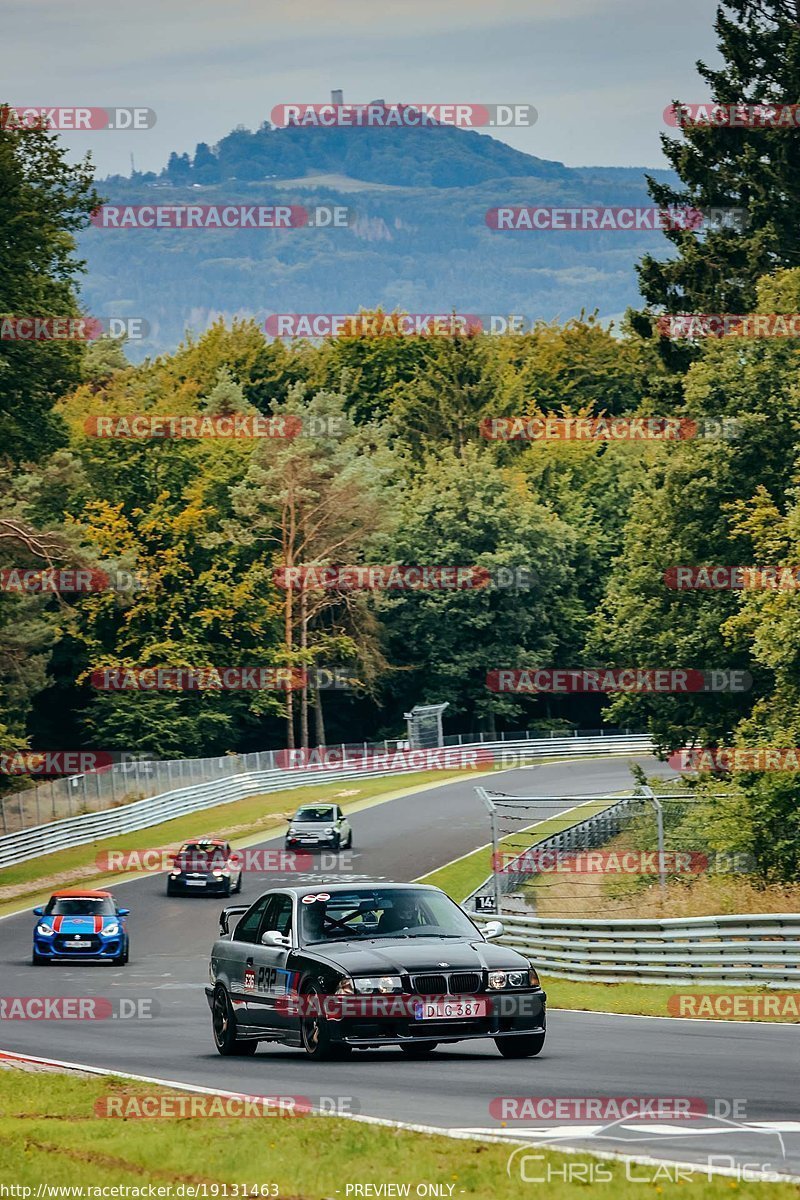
[436, 1131]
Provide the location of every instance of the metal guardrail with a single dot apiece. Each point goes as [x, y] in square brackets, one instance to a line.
[738, 949]
[142, 814]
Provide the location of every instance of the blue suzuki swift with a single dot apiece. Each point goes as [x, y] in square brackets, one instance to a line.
[80, 924]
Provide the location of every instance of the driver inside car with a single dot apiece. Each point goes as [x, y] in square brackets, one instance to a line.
[403, 914]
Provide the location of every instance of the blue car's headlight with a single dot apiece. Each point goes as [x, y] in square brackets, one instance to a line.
[45, 930]
[111, 930]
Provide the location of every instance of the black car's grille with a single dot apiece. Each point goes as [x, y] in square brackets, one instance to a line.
[465, 982]
[66, 943]
[429, 985]
[458, 983]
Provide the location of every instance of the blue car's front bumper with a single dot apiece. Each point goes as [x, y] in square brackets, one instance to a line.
[61, 947]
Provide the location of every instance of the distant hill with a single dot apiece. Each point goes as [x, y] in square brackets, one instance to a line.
[419, 239]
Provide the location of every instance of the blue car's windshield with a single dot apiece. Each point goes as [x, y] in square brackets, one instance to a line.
[364, 914]
[77, 906]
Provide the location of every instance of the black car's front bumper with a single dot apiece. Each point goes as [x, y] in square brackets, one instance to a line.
[203, 886]
[509, 1015]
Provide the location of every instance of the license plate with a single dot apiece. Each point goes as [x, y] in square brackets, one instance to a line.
[79, 944]
[195, 883]
[449, 1010]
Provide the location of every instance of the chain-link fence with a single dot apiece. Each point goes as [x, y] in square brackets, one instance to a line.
[595, 856]
[136, 779]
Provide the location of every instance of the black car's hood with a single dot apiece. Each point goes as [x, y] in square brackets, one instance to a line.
[397, 956]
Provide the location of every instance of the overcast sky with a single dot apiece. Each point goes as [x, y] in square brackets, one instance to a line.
[599, 72]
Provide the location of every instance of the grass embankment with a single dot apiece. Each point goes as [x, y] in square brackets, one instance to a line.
[663, 1000]
[49, 1135]
[252, 818]
[614, 896]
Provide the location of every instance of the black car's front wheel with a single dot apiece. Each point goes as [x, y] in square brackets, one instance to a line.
[223, 1020]
[520, 1047]
[418, 1049]
[315, 1030]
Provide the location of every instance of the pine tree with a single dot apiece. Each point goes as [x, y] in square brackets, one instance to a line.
[757, 169]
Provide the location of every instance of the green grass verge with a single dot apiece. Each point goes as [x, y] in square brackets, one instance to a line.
[243, 819]
[652, 1000]
[461, 877]
[49, 1135]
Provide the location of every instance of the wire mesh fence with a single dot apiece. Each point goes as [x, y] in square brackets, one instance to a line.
[597, 856]
[135, 778]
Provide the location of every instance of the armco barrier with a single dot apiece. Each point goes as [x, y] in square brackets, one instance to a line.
[762, 949]
[90, 827]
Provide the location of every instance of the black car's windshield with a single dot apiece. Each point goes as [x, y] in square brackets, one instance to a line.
[364, 914]
[77, 906]
[313, 815]
[200, 856]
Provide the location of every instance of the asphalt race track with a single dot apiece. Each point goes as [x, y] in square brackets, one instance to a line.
[586, 1055]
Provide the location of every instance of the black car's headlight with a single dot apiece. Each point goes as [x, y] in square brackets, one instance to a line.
[378, 984]
[498, 980]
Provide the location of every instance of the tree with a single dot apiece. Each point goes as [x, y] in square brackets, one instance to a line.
[313, 499]
[461, 509]
[756, 169]
[688, 512]
[44, 201]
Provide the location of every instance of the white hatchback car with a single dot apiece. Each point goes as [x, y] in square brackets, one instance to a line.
[319, 825]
